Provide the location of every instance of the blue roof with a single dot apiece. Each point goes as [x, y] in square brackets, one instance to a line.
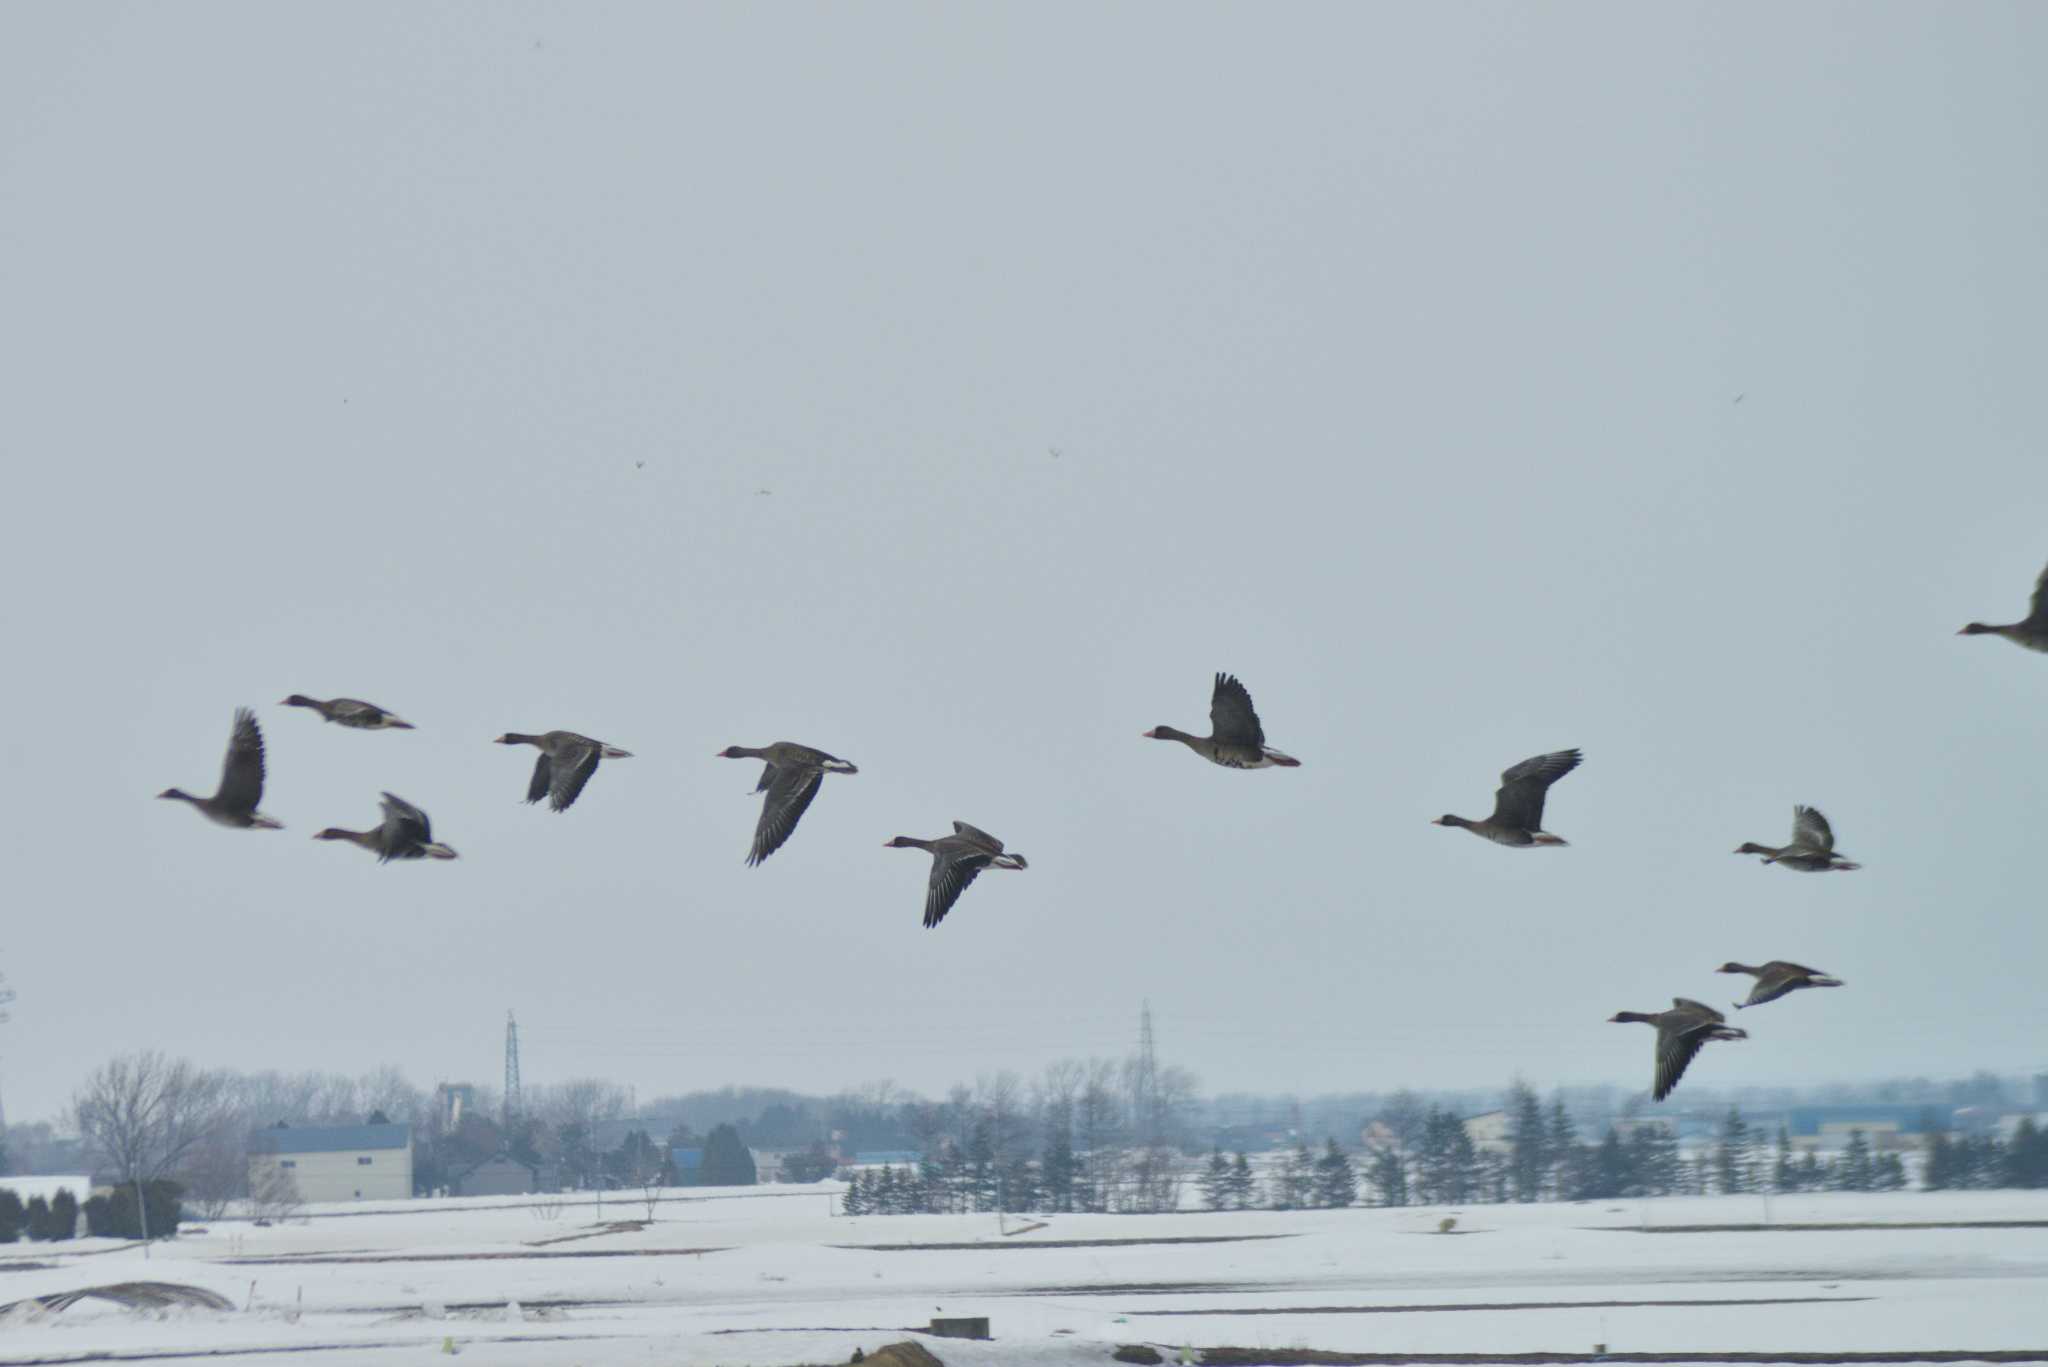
[331, 1139]
[686, 1160]
[888, 1157]
[1807, 1120]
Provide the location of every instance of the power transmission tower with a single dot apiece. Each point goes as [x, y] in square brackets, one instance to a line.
[512, 1102]
[6, 996]
[1145, 1081]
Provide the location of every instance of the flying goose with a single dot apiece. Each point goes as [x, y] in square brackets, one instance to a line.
[1776, 978]
[1680, 1033]
[241, 781]
[1235, 739]
[956, 860]
[1517, 818]
[1812, 849]
[2031, 631]
[791, 778]
[566, 763]
[405, 834]
[351, 712]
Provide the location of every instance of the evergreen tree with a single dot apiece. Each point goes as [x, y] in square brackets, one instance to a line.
[1853, 1172]
[63, 1215]
[2026, 1156]
[1653, 1165]
[1294, 1181]
[727, 1163]
[1336, 1179]
[855, 1202]
[1387, 1175]
[1940, 1173]
[1812, 1177]
[1215, 1182]
[1733, 1158]
[887, 1195]
[1056, 1171]
[1242, 1189]
[38, 1221]
[1888, 1173]
[1528, 1169]
[13, 1217]
[978, 1185]
[1562, 1148]
[813, 1163]
[1610, 1174]
[1783, 1176]
[1017, 1183]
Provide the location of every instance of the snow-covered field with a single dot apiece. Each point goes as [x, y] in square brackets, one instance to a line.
[767, 1276]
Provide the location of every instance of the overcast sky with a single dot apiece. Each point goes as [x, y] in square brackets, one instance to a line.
[1473, 381]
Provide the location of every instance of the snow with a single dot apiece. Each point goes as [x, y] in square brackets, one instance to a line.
[764, 1276]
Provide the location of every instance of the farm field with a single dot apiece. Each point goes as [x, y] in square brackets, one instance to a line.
[765, 1277]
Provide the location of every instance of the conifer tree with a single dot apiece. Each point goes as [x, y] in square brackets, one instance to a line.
[1056, 1171]
[1853, 1173]
[1336, 1179]
[1242, 1189]
[1529, 1158]
[12, 1216]
[1215, 1182]
[1888, 1173]
[1609, 1174]
[1940, 1173]
[1732, 1156]
[1388, 1176]
[1562, 1147]
[855, 1201]
[1783, 1176]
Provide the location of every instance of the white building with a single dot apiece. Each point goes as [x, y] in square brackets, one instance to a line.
[334, 1162]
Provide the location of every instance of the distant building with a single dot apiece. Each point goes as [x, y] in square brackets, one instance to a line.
[454, 1100]
[1884, 1125]
[334, 1162]
[1490, 1132]
[499, 1175]
[888, 1158]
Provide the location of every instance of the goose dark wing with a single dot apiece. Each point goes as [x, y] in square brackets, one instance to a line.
[241, 773]
[404, 824]
[1810, 830]
[1680, 1033]
[790, 791]
[2038, 604]
[1677, 1042]
[543, 778]
[953, 869]
[573, 768]
[1231, 718]
[1519, 800]
[978, 836]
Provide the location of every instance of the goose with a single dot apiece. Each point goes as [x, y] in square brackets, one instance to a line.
[405, 834]
[1235, 739]
[1680, 1033]
[1812, 849]
[1517, 818]
[1776, 978]
[241, 781]
[2030, 631]
[566, 763]
[350, 712]
[956, 861]
[791, 778]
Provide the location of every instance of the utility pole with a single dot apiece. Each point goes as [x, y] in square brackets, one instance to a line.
[6, 996]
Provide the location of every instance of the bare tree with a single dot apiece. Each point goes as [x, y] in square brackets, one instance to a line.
[275, 1194]
[142, 1113]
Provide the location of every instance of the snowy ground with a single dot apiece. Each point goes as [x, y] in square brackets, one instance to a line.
[776, 1283]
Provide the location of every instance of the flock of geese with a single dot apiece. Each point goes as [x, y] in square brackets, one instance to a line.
[792, 774]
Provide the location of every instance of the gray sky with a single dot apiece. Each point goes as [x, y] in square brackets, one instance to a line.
[1394, 357]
